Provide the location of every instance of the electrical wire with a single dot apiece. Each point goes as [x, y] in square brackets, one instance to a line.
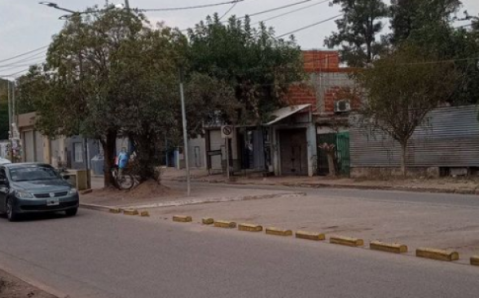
[34, 57]
[190, 7]
[291, 12]
[24, 54]
[228, 11]
[309, 26]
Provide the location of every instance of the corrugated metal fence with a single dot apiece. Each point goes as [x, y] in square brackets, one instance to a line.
[448, 138]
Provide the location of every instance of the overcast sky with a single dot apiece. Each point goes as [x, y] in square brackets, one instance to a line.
[25, 25]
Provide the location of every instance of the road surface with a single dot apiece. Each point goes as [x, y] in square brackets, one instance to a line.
[114, 256]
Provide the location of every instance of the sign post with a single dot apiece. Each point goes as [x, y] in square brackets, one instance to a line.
[227, 134]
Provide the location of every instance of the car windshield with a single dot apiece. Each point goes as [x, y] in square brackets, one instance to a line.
[33, 173]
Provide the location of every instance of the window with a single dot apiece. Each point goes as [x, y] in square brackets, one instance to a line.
[78, 152]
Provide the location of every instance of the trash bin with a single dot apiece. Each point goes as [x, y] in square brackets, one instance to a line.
[97, 165]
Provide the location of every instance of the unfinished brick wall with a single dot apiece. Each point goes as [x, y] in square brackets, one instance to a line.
[302, 94]
[317, 61]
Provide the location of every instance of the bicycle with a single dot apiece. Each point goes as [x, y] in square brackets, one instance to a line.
[125, 181]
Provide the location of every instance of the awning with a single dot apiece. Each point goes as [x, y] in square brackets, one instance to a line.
[286, 112]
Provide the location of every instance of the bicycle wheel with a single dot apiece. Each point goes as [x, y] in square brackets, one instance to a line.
[126, 182]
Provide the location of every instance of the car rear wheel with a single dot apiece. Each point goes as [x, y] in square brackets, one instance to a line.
[71, 212]
[11, 214]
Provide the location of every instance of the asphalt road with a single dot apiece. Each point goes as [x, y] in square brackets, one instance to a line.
[102, 255]
[376, 195]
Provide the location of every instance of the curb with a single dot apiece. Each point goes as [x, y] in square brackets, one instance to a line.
[224, 224]
[310, 236]
[353, 242]
[437, 254]
[388, 247]
[182, 218]
[96, 207]
[250, 228]
[279, 232]
[207, 221]
[475, 261]
[47, 289]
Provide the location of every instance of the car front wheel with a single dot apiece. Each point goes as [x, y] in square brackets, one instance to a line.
[11, 214]
[71, 212]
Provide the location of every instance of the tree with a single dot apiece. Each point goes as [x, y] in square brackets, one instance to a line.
[358, 31]
[257, 66]
[4, 125]
[401, 88]
[420, 20]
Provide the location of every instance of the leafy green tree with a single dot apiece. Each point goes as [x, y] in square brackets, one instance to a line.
[421, 19]
[259, 67]
[358, 31]
[401, 88]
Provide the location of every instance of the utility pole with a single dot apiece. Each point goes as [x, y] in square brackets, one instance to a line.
[10, 131]
[185, 135]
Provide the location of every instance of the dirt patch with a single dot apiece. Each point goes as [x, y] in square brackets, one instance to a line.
[12, 287]
[144, 191]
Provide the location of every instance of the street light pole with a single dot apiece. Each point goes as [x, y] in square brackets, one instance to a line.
[185, 135]
[127, 4]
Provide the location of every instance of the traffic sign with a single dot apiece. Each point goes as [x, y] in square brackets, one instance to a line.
[227, 132]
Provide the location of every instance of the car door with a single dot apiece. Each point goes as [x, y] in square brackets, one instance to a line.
[4, 189]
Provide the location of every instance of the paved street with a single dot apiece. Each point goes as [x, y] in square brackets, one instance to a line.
[103, 255]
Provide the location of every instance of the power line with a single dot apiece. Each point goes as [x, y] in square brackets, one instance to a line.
[291, 12]
[309, 26]
[228, 11]
[34, 57]
[24, 54]
[190, 7]
[275, 9]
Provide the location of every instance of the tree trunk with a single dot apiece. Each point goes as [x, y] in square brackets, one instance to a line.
[404, 158]
[331, 164]
[109, 148]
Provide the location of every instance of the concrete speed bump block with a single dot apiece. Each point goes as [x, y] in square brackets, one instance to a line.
[115, 210]
[279, 232]
[145, 214]
[437, 254]
[475, 261]
[225, 224]
[250, 228]
[353, 242]
[207, 221]
[310, 236]
[388, 247]
[130, 212]
[182, 218]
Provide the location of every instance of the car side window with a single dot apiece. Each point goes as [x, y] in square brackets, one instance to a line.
[3, 176]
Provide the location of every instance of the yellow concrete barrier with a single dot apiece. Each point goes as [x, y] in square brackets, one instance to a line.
[388, 247]
[278, 232]
[475, 261]
[207, 221]
[250, 228]
[225, 224]
[130, 212]
[353, 242]
[182, 218]
[310, 236]
[437, 254]
[145, 214]
[115, 210]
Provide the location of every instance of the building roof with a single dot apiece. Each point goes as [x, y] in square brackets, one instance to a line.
[284, 113]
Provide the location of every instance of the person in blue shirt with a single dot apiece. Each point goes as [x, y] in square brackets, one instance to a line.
[122, 160]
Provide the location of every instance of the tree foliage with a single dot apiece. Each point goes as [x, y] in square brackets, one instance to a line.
[401, 88]
[259, 67]
[358, 31]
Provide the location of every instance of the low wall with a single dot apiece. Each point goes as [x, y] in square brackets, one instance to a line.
[378, 172]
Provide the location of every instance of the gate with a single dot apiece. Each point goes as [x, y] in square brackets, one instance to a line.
[342, 155]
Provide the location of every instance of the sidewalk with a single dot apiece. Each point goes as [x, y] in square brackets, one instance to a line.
[168, 195]
[439, 185]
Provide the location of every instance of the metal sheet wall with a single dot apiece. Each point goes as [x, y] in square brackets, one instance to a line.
[448, 138]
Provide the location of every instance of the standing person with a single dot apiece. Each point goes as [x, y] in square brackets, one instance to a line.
[122, 161]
